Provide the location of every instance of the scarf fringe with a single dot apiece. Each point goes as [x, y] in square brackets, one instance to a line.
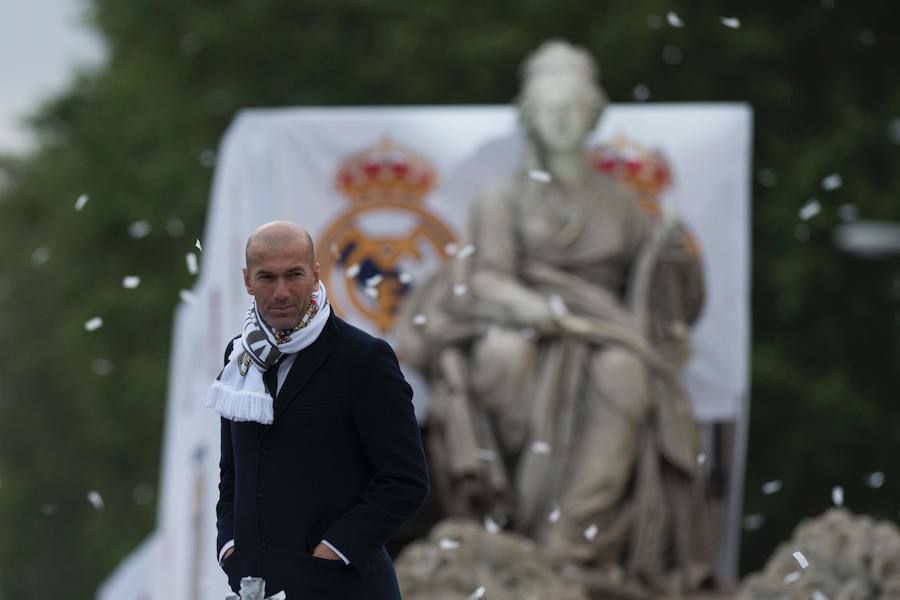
[243, 405]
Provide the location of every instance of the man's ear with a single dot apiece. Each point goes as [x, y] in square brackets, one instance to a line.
[316, 272]
[247, 280]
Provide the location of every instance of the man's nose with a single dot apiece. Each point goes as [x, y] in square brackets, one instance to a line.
[281, 290]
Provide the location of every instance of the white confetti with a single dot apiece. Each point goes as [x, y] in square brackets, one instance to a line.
[198, 246]
[671, 55]
[801, 232]
[701, 459]
[540, 447]
[875, 480]
[810, 209]
[175, 227]
[405, 278]
[486, 454]
[187, 297]
[207, 158]
[82, 200]
[448, 544]
[590, 533]
[641, 93]
[142, 494]
[451, 249]
[95, 499]
[467, 250]
[791, 577]
[420, 320]
[102, 367]
[352, 271]
[460, 289]
[801, 560]
[93, 324]
[139, 229]
[555, 513]
[372, 292]
[40, 256]
[374, 280]
[539, 175]
[832, 182]
[817, 595]
[767, 178]
[557, 305]
[848, 212]
[674, 20]
[191, 259]
[130, 282]
[490, 525]
[771, 487]
[837, 495]
[732, 22]
[753, 522]
[335, 250]
[478, 593]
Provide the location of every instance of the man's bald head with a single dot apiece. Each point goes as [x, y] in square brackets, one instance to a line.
[279, 234]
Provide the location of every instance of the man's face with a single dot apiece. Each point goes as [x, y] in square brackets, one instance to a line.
[282, 279]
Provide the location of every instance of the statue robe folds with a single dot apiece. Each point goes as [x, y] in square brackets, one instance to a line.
[554, 353]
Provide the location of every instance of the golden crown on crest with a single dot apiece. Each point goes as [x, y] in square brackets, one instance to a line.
[385, 172]
[646, 172]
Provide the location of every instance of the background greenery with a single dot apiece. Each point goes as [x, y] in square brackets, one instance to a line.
[137, 133]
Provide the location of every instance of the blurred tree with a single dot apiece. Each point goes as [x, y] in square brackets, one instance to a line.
[82, 410]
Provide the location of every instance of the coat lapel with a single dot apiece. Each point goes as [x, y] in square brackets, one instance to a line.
[307, 362]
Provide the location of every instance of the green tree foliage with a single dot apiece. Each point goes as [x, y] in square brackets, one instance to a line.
[138, 135]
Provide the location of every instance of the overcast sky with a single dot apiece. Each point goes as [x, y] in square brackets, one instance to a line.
[41, 41]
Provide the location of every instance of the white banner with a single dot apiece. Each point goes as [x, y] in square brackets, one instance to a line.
[322, 168]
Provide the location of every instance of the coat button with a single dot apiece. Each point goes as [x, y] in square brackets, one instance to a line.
[262, 546]
[259, 498]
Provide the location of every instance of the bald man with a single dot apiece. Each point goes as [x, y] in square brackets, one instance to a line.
[321, 456]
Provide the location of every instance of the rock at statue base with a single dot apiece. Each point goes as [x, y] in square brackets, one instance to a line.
[849, 558]
[460, 560]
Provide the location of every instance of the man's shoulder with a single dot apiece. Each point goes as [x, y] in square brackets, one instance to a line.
[353, 335]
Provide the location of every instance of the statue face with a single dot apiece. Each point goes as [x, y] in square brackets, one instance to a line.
[560, 117]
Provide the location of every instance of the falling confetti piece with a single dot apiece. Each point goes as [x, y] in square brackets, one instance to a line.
[102, 367]
[810, 209]
[460, 289]
[186, 296]
[753, 522]
[540, 447]
[478, 593]
[207, 158]
[801, 560]
[671, 55]
[791, 577]
[129, 282]
[837, 495]
[832, 182]
[848, 212]
[817, 595]
[139, 229]
[557, 305]
[142, 494]
[490, 525]
[352, 271]
[555, 513]
[374, 280]
[372, 292]
[448, 544]
[486, 454]
[641, 93]
[767, 178]
[540, 176]
[82, 200]
[875, 480]
[701, 459]
[801, 232]
[93, 324]
[405, 278]
[191, 259]
[771, 487]
[674, 20]
[467, 250]
[732, 22]
[420, 320]
[590, 533]
[197, 245]
[175, 227]
[95, 499]
[451, 249]
[335, 251]
[40, 256]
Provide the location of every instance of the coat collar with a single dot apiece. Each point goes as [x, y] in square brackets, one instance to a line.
[305, 365]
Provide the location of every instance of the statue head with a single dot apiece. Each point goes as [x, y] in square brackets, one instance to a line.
[560, 101]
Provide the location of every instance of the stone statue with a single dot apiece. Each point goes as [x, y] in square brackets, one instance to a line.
[554, 345]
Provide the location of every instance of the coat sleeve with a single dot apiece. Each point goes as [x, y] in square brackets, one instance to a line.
[225, 505]
[386, 423]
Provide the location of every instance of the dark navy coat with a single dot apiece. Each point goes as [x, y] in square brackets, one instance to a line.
[343, 461]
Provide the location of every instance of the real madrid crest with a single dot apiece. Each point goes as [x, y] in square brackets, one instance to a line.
[388, 184]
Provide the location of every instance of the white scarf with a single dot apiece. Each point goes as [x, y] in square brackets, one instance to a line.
[239, 392]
